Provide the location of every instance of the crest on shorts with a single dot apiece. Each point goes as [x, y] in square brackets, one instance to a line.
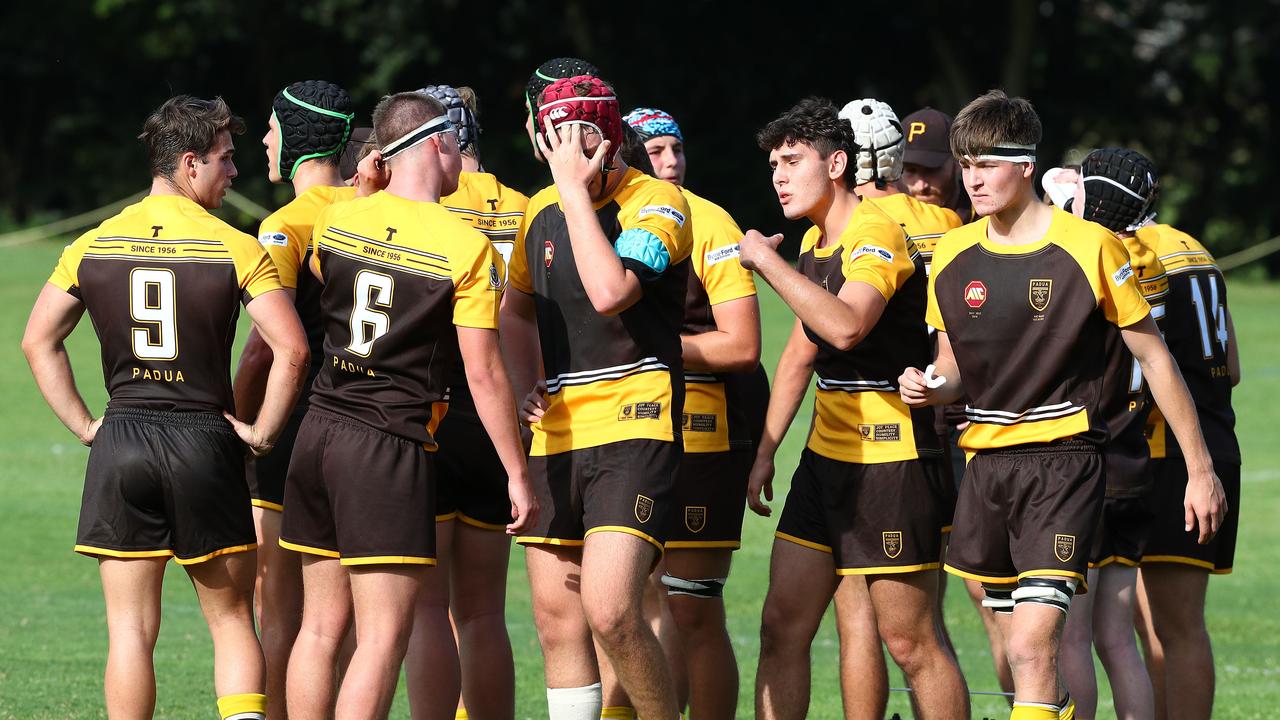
[644, 508]
[1064, 547]
[1038, 292]
[695, 517]
[892, 541]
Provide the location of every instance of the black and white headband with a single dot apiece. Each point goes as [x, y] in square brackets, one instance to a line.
[417, 136]
[1008, 152]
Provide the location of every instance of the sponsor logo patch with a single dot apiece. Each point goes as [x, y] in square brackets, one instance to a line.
[278, 239]
[873, 250]
[641, 411]
[1064, 547]
[975, 294]
[1124, 273]
[644, 508]
[695, 517]
[720, 254]
[699, 422]
[892, 542]
[1039, 292]
[881, 433]
[664, 211]
[548, 252]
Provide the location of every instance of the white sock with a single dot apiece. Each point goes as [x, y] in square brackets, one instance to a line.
[580, 703]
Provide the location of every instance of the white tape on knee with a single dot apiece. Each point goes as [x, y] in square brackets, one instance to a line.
[705, 588]
[580, 703]
[997, 600]
[1047, 591]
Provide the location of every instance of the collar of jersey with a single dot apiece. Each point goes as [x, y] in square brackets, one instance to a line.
[177, 202]
[1026, 249]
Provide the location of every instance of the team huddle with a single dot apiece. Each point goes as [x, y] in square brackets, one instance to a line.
[1031, 394]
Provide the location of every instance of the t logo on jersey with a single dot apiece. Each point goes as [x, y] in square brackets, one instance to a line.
[548, 252]
[892, 542]
[1064, 547]
[1038, 292]
[975, 294]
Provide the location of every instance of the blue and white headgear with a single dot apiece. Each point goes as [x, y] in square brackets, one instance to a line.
[651, 123]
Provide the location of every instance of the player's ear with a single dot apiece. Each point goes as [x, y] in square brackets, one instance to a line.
[1028, 170]
[187, 162]
[837, 164]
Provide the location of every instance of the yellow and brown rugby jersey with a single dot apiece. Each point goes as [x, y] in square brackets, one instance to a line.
[163, 282]
[608, 378]
[1195, 329]
[286, 234]
[858, 415]
[1126, 398]
[398, 276]
[1028, 324]
[496, 211]
[721, 410]
[923, 222]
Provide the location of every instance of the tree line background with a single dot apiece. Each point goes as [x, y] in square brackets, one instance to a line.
[1192, 83]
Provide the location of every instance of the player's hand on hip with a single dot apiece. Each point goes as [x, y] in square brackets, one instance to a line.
[1204, 506]
[259, 444]
[754, 248]
[90, 431]
[524, 505]
[563, 149]
[760, 481]
[913, 389]
[535, 404]
[372, 174]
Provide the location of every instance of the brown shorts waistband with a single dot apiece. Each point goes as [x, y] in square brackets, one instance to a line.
[196, 419]
[1066, 445]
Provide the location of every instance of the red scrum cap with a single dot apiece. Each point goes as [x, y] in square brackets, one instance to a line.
[582, 100]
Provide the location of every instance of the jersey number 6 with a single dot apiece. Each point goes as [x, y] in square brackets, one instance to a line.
[367, 324]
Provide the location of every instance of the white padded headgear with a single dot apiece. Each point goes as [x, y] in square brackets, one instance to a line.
[881, 142]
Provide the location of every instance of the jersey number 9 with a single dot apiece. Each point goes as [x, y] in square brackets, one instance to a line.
[153, 303]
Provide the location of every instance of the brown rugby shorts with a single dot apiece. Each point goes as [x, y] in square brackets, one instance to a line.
[1028, 510]
[617, 487]
[471, 482]
[1123, 531]
[1169, 542]
[266, 474]
[709, 499]
[875, 519]
[359, 494]
[161, 484]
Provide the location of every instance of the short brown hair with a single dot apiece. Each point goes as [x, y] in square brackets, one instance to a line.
[185, 124]
[397, 115]
[994, 118]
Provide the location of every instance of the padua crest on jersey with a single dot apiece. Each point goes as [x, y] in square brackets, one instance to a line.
[975, 294]
[548, 252]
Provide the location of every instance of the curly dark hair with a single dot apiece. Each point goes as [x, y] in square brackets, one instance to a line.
[185, 124]
[814, 121]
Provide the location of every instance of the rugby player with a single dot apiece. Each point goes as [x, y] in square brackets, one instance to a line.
[726, 394]
[1174, 575]
[1116, 188]
[929, 172]
[306, 134]
[1021, 301]
[407, 288]
[601, 262]
[472, 509]
[871, 495]
[542, 77]
[162, 282]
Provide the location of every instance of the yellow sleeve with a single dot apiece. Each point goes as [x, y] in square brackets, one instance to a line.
[715, 259]
[317, 231]
[876, 254]
[518, 269]
[66, 274]
[1120, 297]
[285, 246]
[932, 313]
[477, 281]
[254, 269]
[661, 210]
[943, 254]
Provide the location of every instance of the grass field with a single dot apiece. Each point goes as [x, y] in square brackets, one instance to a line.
[53, 632]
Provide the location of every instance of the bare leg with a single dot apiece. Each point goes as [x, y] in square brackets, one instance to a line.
[277, 604]
[995, 637]
[904, 607]
[1152, 651]
[555, 579]
[326, 617]
[224, 586]
[478, 600]
[801, 583]
[383, 599]
[1076, 657]
[864, 679]
[1113, 636]
[1033, 635]
[131, 589]
[615, 571]
[431, 672]
[1176, 595]
[703, 636]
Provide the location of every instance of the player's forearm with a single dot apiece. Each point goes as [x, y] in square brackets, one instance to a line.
[1174, 400]
[829, 317]
[790, 382]
[606, 281]
[944, 366]
[521, 348]
[51, 367]
[250, 384]
[284, 383]
[719, 351]
[491, 391]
